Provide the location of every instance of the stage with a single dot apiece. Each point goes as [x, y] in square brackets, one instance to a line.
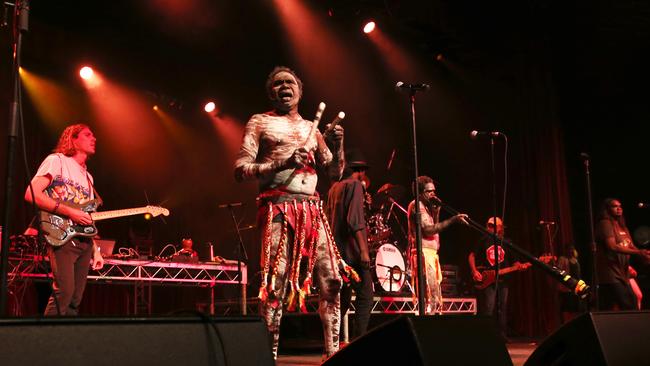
[519, 351]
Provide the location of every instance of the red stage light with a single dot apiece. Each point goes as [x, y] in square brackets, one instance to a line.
[86, 73]
[210, 107]
[369, 27]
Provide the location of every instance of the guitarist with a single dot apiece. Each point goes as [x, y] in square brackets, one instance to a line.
[63, 178]
[482, 256]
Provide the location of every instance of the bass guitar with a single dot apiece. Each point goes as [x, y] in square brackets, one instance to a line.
[489, 275]
[58, 230]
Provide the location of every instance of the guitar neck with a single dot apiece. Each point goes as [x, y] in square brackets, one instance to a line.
[118, 213]
[503, 271]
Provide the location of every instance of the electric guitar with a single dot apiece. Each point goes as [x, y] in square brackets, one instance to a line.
[58, 230]
[489, 275]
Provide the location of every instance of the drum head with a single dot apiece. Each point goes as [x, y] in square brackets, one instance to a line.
[389, 268]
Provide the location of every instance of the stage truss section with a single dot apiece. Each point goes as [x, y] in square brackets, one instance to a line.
[143, 273]
[388, 305]
[202, 274]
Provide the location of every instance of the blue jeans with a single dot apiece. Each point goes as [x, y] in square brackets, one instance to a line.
[489, 297]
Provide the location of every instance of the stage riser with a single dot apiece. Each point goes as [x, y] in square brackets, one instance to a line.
[133, 341]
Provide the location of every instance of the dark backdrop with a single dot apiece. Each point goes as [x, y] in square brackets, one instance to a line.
[557, 77]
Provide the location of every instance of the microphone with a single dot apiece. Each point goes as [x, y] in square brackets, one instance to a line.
[402, 86]
[436, 201]
[232, 204]
[475, 134]
[584, 156]
[542, 222]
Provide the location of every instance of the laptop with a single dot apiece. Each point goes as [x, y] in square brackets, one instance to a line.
[106, 247]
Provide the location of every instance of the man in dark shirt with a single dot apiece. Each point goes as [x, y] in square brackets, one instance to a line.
[346, 213]
[614, 249]
[483, 257]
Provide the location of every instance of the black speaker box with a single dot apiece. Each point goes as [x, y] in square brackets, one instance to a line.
[134, 341]
[604, 338]
[427, 340]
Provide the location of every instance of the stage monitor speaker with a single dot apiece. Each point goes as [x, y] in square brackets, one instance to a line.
[594, 339]
[134, 341]
[428, 340]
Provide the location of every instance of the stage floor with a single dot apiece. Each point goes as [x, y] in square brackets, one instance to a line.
[519, 352]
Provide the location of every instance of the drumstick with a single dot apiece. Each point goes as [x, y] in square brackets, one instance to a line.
[314, 126]
[335, 122]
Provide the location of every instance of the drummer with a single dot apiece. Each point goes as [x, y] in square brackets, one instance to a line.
[345, 210]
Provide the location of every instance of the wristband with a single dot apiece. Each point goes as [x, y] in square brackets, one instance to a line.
[56, 206]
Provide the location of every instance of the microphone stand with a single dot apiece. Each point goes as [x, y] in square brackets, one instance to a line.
[21, 25]
[495, 238]
[241, 251]
[418, 217]
[592, 237]
[579, 287]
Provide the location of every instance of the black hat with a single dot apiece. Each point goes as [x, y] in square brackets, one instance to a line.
[354, 159]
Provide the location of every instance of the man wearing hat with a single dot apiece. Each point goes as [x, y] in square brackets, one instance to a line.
[345, 210]
[483, 256]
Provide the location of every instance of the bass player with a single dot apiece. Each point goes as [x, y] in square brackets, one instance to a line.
[482, 255]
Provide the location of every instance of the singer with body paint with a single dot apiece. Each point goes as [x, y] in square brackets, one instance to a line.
[282, 150]
[431, 227]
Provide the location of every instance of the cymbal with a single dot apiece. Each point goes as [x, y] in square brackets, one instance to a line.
[391, 190]
[386, 192]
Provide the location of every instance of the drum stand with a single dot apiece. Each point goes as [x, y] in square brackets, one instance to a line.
[407, 271]
[394, 204]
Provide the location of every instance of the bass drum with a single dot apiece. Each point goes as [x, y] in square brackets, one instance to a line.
[389, 268]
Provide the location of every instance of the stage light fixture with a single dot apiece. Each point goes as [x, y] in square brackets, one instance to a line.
[439, 57]
[369, 27]
[155, 107]
[86, 73]
[210, 107]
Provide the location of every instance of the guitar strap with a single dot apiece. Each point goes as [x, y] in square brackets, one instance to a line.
[99, 199]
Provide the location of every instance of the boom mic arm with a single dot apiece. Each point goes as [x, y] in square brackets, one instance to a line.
[578, 286]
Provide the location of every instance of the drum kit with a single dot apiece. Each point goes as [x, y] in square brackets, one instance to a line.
[385, 233]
